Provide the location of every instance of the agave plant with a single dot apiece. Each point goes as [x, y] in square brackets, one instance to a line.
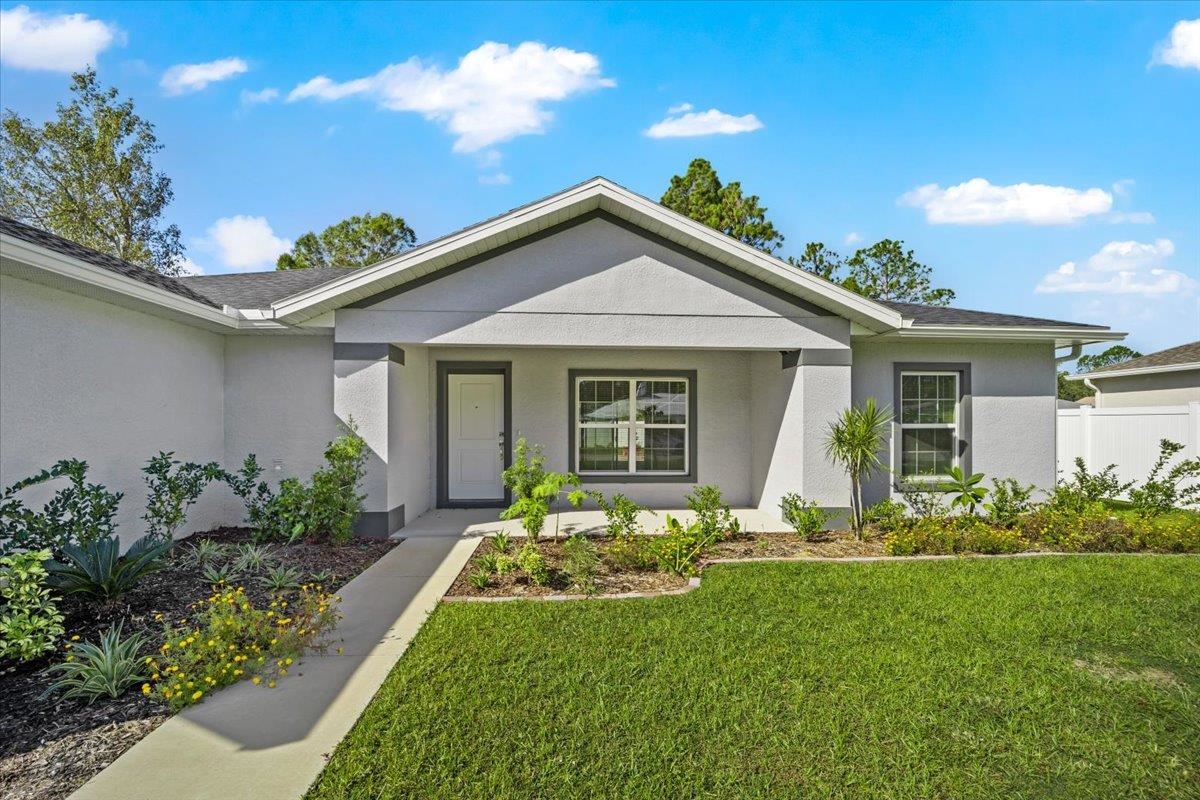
[100, 670]
[254, 557]
[97, 569]
[965, 488]
[206, 551]
[220, 573]
[278, 579]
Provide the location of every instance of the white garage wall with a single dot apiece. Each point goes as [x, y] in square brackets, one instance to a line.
[86, 379]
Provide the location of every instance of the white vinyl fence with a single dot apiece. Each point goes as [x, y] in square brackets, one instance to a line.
[1127, 437]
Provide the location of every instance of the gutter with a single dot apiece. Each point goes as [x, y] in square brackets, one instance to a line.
[1088, 383]
[1076, 350]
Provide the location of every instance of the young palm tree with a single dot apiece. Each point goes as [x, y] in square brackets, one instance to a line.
[854, 442]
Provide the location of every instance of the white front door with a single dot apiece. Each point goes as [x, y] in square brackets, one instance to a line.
[475, 446]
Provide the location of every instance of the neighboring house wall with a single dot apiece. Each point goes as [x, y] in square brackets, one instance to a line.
[86, 379]
[278, 403]
[1156, 389]
[540, 410]
[1012, 414]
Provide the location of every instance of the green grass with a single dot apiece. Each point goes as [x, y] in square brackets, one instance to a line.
[1009, 678]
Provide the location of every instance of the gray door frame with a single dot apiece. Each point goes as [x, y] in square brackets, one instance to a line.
[444, 370]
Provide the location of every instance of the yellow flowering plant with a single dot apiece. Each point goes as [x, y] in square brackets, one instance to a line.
[231, 640]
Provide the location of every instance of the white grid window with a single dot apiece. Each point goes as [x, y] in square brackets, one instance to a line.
[631, 425]
[929, 418]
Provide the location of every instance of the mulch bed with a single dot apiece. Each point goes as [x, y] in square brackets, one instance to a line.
[611, 580]
[50, 747]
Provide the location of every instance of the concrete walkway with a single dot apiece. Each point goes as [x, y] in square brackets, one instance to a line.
[270, 744]
[474, 522]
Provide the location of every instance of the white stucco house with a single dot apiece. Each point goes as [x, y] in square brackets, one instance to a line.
[1168, 377]
[641, 349]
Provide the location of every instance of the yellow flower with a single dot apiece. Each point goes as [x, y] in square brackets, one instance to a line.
[270, 684]
[256, 680]
[339, 651]
[197, 695]
[145, 688]
[70, 658]
[75, 638]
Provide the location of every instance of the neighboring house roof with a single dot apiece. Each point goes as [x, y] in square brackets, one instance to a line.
[260, 289]
[1174, 359]
[941, 315]
[66, 247]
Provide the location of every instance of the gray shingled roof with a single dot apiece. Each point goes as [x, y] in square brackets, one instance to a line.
[260, 289]
[1183, 354]
[58, 244]
[940, 315]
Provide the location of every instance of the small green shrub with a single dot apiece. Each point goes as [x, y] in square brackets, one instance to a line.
[679, 549]
[1086, 488]
[1010, 501]
[487, 562]
[171, 487]
[217, 574]
[107, 669]
[78, 513]
[979, 536]
[527, 470]
[965, 491]
[887, 515]
[630, 553]
[1091, 528]
[204, 552]
[620, 514]
[506, 565]
[712, 514]
[533, 564]
[480, 578]
[253, 557]
[1162, 492]
[98, 570]
[1177, 532]
[501, 541]
[30, 622]
[581, 563]
[925, 536]
[538, 500]
[322, 577]
[280, 579]
[256, 496]
[805, 516]
[924, 498]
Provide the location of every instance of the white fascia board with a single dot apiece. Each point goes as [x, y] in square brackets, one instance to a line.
[1062, 337]
[594, 194]
[1121, 373]
[62, 271]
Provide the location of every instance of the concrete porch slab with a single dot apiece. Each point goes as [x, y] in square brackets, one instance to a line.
[473, 522]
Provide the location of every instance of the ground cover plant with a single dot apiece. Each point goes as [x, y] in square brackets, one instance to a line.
[1066, 677]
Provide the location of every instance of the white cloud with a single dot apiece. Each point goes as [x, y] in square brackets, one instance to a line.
[245, 243]
[1120, 268]
[496, 179]
[978, 202]
[853, 237]
[267, 95]
[189, 267]
[495, 94]
[1182, 48]
[54, 42]
[701, 123]
[185, 78]
[1133, 217]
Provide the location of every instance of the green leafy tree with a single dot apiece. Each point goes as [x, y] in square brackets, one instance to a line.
[819, 260]
[699, 194]
[1071, 390]
[357, 241]
[886, 271]
[87, 175]
[1116, 354]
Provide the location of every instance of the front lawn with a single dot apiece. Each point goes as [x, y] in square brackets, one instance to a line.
[1040, 677]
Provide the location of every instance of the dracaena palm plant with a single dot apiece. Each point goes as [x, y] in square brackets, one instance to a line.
[854, 441]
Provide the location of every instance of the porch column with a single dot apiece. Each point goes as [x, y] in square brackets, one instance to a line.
[795, 404]
[366, 390]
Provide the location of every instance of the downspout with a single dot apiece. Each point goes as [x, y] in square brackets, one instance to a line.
[1076, 351]
[1088, 383]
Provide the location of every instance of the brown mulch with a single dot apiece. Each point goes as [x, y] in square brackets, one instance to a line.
[50, 747]
[613, 580]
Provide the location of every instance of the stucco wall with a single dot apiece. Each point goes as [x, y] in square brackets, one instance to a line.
[594, 285]
[1162, 389]
[1013, 407]
[86, 379]
[279, 402]
[540, 413]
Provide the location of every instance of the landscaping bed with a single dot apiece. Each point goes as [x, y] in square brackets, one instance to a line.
[1068, 677]
[49, 746]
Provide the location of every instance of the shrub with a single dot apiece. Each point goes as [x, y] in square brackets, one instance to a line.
[501, 541]
[93, 671]
[1010, 501]
[30, 622]
[979, 536]
[527, 470]
[231, 640]
[887, 515]
[1171, 533]
[206, 551]
[925, 536]
[506, 565]
[98, 570]
[487, 562]
[480, 578]
[712, 514]
[620, 513]
[533, 564]
[1090, 528]
[1085, 487]
[854, 442]
[925, 499]
[965, 491]
[256, 495]
[172, 486]
[1161, 492]
[279, 579]
[679, 549]
[581, 563]
[217, 574]
[805, 516]
[534, 507]
[630, 553]
[78, 513]
[253, 557]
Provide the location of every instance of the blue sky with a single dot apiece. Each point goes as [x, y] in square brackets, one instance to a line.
[1044, 159]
